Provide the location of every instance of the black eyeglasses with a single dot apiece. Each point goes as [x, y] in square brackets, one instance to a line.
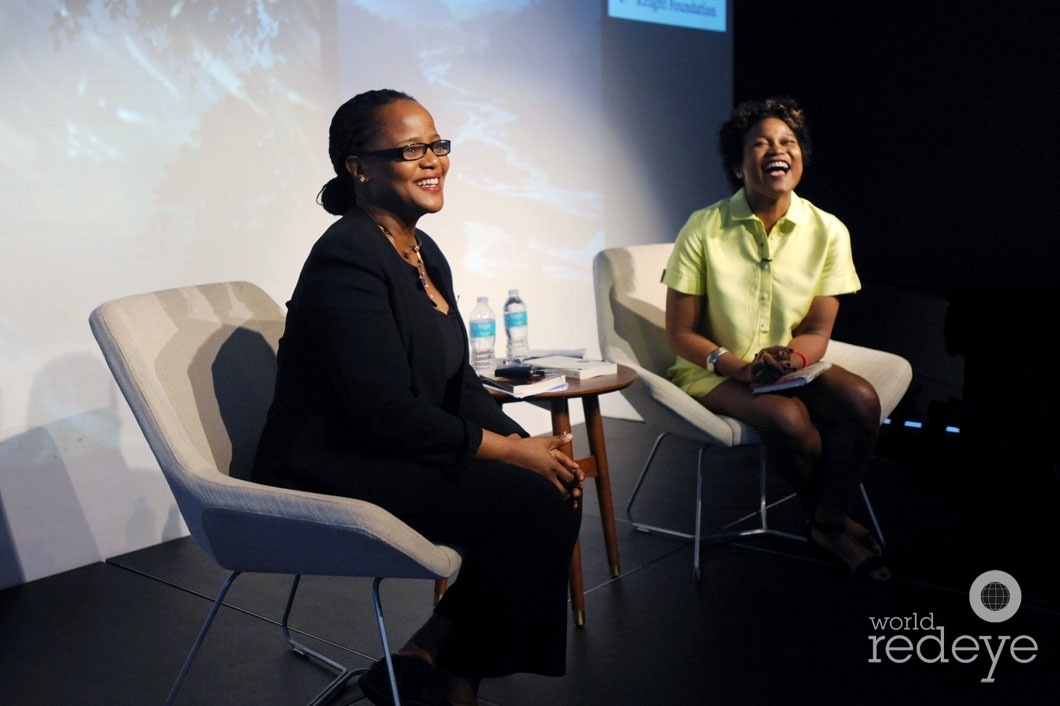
[410, 153]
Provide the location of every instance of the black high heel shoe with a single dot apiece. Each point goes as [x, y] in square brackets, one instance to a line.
[867, 539]
[871, 568]
[419, 682]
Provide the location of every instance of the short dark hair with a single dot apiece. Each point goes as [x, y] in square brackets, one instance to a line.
[748, 114]
[352, 126]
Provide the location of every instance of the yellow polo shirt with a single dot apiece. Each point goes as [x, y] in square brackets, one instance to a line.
[758, 286]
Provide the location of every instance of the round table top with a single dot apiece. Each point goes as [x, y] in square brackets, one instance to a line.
[580, 388]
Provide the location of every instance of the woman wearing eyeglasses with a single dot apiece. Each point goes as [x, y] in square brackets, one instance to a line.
[375, 399]
[753, 292]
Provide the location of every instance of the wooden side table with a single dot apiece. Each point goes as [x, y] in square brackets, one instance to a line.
[594, 465]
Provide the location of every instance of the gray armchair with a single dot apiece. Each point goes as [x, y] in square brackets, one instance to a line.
[630, 315]
[197, 366]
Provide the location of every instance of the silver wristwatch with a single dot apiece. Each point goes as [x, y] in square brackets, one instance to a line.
[712, 357]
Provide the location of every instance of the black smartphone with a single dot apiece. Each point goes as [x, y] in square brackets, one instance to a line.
[517, 372]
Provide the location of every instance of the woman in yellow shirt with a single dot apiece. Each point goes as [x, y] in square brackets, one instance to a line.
[753, 292]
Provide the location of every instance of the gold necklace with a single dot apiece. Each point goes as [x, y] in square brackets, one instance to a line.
[413, 249]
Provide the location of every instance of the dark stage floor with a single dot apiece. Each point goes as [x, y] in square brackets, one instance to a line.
[770, 623]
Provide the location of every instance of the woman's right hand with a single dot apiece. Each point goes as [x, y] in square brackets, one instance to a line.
[770, 363]
[540, 454]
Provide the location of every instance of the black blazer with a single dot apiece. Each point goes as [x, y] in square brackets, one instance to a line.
[361, 385]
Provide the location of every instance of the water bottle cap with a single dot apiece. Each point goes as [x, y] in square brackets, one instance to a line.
[483, 300]
[513, 292]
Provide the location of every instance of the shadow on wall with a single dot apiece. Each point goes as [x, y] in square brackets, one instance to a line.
[44, 526]
[10, 568]
[68, 497]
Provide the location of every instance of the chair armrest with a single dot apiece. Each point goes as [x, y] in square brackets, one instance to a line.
[251, 527]
[890, 374]
[666, 407]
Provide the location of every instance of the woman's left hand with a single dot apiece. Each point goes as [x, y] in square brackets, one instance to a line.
[772, 362]
[542, 455]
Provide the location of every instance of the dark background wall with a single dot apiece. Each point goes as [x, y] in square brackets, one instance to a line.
[935, 130]
[935, 134]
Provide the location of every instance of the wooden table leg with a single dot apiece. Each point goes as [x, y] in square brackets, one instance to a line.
[594, 466]
[594, 423]
[561, 425]
[577, 588]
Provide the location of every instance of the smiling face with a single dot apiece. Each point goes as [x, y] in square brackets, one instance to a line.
[772, 162]
[406, 189]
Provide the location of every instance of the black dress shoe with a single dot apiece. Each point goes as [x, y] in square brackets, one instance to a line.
[419, 682]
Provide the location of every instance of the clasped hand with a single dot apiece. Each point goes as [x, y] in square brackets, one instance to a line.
[772, 362]
[542, 455]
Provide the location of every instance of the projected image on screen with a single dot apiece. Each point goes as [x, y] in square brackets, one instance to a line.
[146, 145]
[163, 126]
[516, 87]
[156, 144]
[150, 144]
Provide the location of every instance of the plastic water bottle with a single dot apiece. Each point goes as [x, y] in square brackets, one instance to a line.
[483, 329]
[515, 327]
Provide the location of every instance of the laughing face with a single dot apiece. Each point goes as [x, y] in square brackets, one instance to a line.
[408, 189]
[772, 161]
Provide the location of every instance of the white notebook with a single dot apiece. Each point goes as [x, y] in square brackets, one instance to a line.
[796, 378]
[575, 368]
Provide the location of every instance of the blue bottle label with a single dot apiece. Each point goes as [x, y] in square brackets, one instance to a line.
[515, 318]
[483, 329]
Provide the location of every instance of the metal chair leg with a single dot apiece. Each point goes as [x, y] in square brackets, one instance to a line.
[377, 602]
[658, 529]
[762, 512]
[699, 515]
[872, 516]
[636, 490]
[343, 674]
[202, 634]
[697, 536]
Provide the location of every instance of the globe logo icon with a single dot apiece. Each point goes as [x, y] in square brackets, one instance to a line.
[995, 596]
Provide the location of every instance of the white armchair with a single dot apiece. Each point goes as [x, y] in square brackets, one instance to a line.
[197, 366]
[630, 315]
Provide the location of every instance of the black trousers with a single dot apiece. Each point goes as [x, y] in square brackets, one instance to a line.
[516, 532]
